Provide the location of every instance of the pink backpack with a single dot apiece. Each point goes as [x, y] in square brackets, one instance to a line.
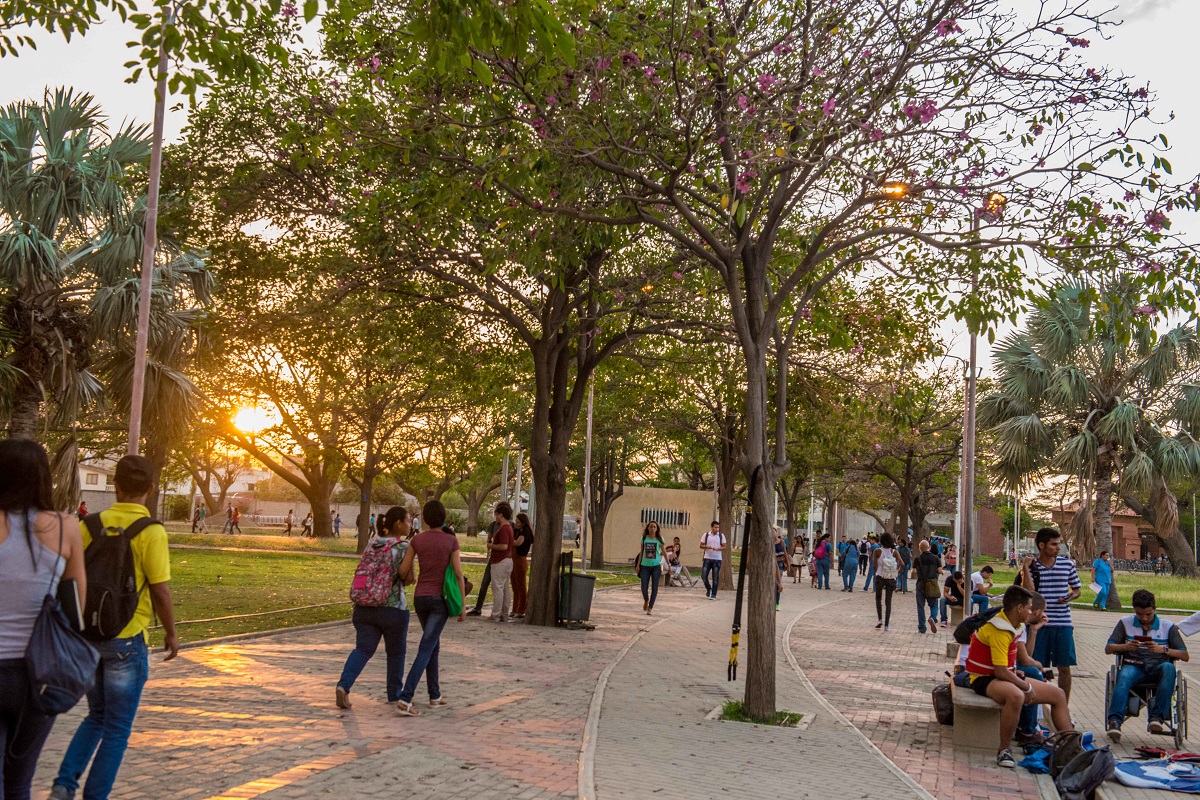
[375, 575]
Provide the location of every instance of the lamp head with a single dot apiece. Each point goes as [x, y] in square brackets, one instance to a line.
[896, 190]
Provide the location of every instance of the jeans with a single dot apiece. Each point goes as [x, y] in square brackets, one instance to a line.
[921, 601]
[433, 614]
[502, 591]
[884, 586]
[902, 578]
[1101, 596]
[650, 579]
[849, 574]
[1027, 722]
[23, 730]
[520, 592]
[870, 577]
[946, 605]
[713, 566]
[1131, 674]
[484, 583]
[980, 600]
[112, 706]
[823, 565]
[371, 625]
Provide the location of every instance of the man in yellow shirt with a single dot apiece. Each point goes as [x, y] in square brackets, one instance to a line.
[124, 660]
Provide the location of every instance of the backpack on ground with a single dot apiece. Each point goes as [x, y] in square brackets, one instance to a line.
[1063, 747]
[373, 579]
[1084, 773]
[112, 590]
[887, 568]
[962, 633]
[943, 704]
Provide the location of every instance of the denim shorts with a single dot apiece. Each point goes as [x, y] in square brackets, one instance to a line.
[1055, 646]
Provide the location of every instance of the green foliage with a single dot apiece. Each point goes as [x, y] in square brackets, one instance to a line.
[734, 711]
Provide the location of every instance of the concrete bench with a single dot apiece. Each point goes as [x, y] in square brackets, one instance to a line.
[976, 719]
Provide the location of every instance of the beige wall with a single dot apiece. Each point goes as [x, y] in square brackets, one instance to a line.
[623, 528]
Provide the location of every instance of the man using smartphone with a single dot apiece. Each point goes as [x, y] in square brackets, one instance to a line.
[1149, 647]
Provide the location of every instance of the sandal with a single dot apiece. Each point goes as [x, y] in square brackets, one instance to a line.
[406, 709]
[435, 702]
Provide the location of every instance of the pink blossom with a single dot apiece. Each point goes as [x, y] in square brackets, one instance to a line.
[685, 56]
[746, 180]
[875, 135]
[288, 10]
[947, 27]
[603, 63]
[1077, 100]
[697, 34]
[374, 63]
[858, 348]
[1142, 93]
[1129, 195]
[806, 313]
[923, 113]
[551, 100]
[1039, 129]
[1077, 41]
[878, 447]
[765, 82]
[677, 275]
[1156, 220]
[539, 125]
[743, 102]
[781, 49]
[818, 72]
[1093, 75]
[1145, 311]
[648, 72]
[629, 58]
[692, 168]
[829, 106]
[866, 53]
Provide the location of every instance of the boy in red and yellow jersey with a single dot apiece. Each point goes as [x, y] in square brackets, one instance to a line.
[991, 672]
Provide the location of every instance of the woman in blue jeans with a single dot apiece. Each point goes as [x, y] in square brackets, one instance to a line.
[650, 564]
[388, 622]
[823, 553]
[434, 551]
[37, 547]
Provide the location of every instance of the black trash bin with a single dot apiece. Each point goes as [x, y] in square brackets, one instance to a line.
[574, 592]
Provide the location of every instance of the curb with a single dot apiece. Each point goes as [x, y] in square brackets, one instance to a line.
[904, 777]
[242, 637]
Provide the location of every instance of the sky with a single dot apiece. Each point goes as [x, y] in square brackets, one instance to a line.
[1154, 44]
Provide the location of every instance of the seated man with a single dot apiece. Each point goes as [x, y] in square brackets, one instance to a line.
[952, 594]
[981, 583]
[1149, 648]
[676, 571]
[991, 672]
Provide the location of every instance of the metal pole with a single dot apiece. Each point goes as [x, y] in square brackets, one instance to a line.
[958, 505]
[149, 245]
[504, 469]
[1194, 528]
[520, 464]
[587, 480]
[1016, 519]
[812, 511]
[968, 501]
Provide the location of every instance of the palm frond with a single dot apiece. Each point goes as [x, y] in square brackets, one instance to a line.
[1077, 454]
[1173, 459]
[1138, 473]
[1120, 425]
[1068, 388]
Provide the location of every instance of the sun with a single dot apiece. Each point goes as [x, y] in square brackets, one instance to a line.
[250, 419]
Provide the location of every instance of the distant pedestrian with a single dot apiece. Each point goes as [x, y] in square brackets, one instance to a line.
[524, 542]
[951, 558]
[486, 581]
[1102, 576]
[799, 560]
[202, 518]
[906, 558]
[289, 521]
[885, 566]
[337, 524]
[649, 561]
[872, 548]
[713, 545]
[195, 518]
[850, 559]
[500, 560]
[434, 551]
[234, 519]
[82, 511]
[823, 555]
[863, 556]
[926, 569]
[387, 621]
[38, 547]
[1012, 558]
[307, 525]
[227, 525]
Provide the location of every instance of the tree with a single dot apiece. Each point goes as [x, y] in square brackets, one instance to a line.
[1092, 392]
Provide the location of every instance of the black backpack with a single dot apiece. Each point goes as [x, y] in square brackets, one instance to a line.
[112, 592]
[1083, 773]
[962, 633]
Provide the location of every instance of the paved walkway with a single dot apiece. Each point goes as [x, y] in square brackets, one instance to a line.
[256, 717]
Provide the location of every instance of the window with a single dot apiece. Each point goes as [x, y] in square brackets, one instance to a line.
[108, 480]
[249, 487]
[666, 518]
[91, 479]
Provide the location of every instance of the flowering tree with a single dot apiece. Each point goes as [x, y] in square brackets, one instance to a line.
[786, 144]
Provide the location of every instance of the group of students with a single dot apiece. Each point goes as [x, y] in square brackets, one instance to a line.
[41, 548]
[658, 562]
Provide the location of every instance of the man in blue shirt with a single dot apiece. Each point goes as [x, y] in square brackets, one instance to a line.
[1102, 576]
[1149, 647]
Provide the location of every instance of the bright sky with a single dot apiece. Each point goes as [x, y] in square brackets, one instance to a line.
[1154, 44]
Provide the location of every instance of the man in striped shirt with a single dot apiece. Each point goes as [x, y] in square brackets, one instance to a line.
[1056, 579]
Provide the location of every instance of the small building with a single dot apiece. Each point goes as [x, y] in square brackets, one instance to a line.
[684, 513]
[1133, 537]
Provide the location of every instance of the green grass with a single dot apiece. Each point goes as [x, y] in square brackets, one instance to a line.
[207, 584]
[1170, 591]
[733, 711]
[271, 539]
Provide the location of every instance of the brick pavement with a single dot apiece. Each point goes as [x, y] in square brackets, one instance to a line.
[881, 682]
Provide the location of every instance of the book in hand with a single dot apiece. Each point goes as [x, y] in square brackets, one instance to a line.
[68, 598]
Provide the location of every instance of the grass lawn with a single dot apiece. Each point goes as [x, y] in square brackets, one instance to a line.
[1170, 591]
[271, 539]
[207, 584]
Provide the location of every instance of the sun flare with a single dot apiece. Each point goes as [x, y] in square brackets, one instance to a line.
[252, 419]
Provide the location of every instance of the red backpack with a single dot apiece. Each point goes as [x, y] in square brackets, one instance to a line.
[375, 575]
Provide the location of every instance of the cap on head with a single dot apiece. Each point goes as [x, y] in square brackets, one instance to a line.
[134, 475]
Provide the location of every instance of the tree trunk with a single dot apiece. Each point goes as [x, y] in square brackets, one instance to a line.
[23, 423]
[1174, 542]
[604, 491]
[156, 451]
[366, 493]
[318, 496]
[1103, 509]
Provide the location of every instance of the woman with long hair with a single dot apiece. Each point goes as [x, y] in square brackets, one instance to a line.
[38, 547]
[823, 555]
[433, 550]
[649, 561]
[388, 622]
[886, 564]
[524, 541]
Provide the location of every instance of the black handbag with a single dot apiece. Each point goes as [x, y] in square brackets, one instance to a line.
[61, 664]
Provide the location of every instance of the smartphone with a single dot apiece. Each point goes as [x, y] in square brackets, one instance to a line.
[1143, 641]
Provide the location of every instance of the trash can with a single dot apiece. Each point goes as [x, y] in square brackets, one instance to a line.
[575, 596]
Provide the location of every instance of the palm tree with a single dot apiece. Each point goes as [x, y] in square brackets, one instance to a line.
[1090, 390]
[70, 239]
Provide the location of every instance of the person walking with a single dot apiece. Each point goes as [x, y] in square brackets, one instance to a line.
[649, 561]
[202, 518]
[799, 559]
[926, 569]
[713, 545]
[863, 556]
[906, 558]
[951, 558]
[885, 566]
[227, 525]
[125, 659]
[289, 521]
[872, 548]
[501, 563]
[1057, 580]
[38, 547]
[337, 524]
[388, 621]
[850, 560]
[486, 581]
[823, 554]
[434, 551]
[1102, 576]
[524, 542]
[234, 520]
[307, 525]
